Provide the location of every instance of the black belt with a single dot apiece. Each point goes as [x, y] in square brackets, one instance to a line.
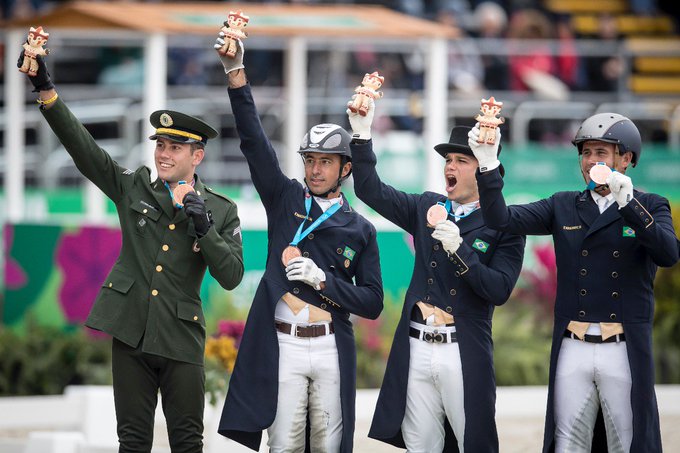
[312, 331]
[433, 336]
[596, 338]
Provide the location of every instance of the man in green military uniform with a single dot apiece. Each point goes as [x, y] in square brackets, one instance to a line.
[150, 301]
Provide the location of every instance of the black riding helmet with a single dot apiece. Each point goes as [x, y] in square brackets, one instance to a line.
[611, 128]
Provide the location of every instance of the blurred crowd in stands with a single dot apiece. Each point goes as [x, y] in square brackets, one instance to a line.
[547, 63]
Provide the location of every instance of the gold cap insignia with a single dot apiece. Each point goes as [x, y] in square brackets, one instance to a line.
[166, 120]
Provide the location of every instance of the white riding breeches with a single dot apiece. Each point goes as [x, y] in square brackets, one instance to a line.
[309, 383]
[434, 393]
[590, 376]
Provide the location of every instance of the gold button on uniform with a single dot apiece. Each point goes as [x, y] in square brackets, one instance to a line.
[198, 192]
[110, 284]
[165, 247]
[145, 211]
[159, 268]
[154, 292]
[171, 226]
[195, 318]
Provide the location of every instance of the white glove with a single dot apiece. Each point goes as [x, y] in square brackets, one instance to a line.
[306, 271]
[621, 187]
[486, 155]
[230, 64]
[449, 234]
[361, 125]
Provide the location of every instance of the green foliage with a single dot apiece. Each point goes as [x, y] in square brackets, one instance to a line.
[667, 319]
[373, 340]
[521, 345]
[47, 359]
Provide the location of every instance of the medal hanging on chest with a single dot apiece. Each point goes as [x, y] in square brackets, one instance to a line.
[292, 251]
[441, 211]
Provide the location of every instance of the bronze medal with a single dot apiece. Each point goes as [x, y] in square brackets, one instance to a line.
[179, 192]
[436, 214]
[599, 174]
[289, 253]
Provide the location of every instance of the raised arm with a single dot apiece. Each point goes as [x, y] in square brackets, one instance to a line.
[398, 207]
[532, 218]
[91, 160]
[264, 166]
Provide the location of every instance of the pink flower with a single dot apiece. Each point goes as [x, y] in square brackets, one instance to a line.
[15, 277]
[85, 258]
[232, 329]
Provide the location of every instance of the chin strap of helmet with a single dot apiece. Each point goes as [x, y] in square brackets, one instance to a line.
[337, 184]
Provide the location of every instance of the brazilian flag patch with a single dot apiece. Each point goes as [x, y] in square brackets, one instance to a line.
[349, 253]
[628, 232]
[480, 245]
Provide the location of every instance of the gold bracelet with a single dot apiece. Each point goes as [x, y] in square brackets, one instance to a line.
[49, 101]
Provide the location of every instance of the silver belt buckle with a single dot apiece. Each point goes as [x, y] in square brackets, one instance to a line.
[433, 337]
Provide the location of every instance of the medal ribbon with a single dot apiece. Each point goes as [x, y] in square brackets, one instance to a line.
[447, 205]
[299, 234]
[591, 185]
[172, 198]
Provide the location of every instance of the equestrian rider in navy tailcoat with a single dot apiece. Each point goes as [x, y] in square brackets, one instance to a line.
[344, 247]
[606, 261]
[464, 286]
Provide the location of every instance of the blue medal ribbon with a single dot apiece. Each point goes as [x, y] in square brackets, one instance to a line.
[591, 185]
[299, 234]
[447, 206]
[172, 198]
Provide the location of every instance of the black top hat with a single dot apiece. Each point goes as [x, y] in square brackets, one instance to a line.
[181, 128]
[458, 143]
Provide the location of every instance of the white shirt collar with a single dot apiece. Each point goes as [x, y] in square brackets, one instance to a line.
[325, 203]
[596, 197]
[467, 207]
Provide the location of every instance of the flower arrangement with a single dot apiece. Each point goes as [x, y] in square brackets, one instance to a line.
[220, 356]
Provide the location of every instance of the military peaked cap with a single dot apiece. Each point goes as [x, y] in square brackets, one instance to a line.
[181, 128]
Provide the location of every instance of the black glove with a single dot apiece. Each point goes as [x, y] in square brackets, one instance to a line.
[41, 81]
[194, 206]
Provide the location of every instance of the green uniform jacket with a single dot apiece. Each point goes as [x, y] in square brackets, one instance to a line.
[152, 292]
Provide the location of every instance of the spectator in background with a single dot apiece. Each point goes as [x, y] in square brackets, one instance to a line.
[602, 72]
[537, 65]
[490, 21]
[534, 55]
[465, 66]
[15, 9]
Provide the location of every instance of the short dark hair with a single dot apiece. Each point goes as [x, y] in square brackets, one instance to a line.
[195, 146]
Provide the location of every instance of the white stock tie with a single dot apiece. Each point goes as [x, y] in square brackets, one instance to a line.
[602, 204]
[459, 213]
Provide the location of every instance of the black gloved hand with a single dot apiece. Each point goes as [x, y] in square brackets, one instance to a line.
[41, 81]
[195, 208]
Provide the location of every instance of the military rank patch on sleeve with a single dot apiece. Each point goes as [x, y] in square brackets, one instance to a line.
[628, 232]
[480, 245]
[127, 171]
[237, 230]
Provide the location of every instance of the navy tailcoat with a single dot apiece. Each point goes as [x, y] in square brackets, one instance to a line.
[468, 284]
[251, 401]
[606, 265]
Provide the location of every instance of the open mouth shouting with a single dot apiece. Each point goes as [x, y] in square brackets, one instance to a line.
[451, 182]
